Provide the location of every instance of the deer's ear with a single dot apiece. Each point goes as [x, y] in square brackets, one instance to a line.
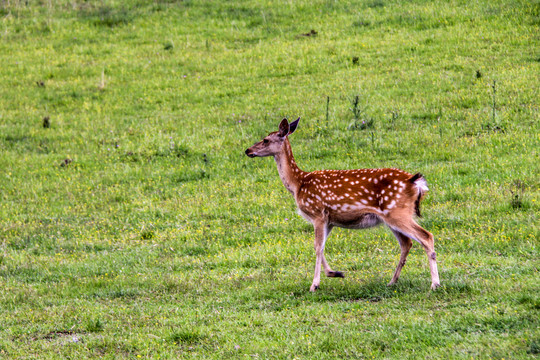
[283, 128]
[293, 126]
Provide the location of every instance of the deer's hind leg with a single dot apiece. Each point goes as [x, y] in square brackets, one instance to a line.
[405, 244]
[412, 230]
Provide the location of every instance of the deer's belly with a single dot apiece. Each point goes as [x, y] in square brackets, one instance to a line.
[358, 218]
[360, 221]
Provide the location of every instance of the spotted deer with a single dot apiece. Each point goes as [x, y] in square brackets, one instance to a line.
[352, 199]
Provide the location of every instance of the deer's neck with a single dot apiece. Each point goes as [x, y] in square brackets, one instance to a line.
[289, 172]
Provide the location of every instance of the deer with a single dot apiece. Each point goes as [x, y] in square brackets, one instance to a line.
[351, 199]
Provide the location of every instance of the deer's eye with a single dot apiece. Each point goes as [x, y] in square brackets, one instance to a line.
[266, 141]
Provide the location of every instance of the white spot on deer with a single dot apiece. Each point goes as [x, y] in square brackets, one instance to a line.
[392, 204]
[370, 198]
[364, 201]
[375, 181]
[386, 198]
[382, 192]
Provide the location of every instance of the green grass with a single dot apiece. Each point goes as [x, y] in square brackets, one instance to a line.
[135, 227]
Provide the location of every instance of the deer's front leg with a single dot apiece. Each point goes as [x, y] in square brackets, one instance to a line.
[321, 232]
[327, 269]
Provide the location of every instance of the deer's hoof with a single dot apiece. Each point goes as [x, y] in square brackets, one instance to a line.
[434, 286]
[314, 288]
[337, 274]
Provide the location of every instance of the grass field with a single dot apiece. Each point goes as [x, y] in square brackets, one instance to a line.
[132, 225]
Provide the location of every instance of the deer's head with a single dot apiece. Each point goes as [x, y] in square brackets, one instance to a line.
[272, 144]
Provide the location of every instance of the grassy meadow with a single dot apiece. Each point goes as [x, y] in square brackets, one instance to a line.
[132, 225]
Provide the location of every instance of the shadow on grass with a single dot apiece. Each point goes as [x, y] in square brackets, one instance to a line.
[276, 296]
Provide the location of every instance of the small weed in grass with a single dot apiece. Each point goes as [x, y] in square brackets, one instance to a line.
[495, 125]
[394, 116]
[66, 162]
[494, 104]
[147, 234]
[46, 122]
[516, 191]
[186, 337]
[94, 325]
[534, 348]
[360, 120]
[102, 84]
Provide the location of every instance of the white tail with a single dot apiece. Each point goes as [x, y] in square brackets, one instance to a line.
[353, 199]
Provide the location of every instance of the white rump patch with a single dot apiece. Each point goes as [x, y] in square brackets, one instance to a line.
[421, 184]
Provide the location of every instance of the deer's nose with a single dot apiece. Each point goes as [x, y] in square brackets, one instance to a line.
[249, 153]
